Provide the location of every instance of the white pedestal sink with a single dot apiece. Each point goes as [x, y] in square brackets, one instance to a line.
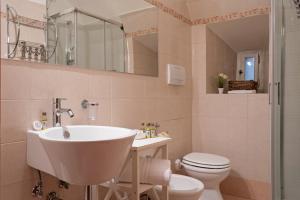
[90, 156]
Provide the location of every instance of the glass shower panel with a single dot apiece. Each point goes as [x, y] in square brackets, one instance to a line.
[114, 48]
[291, 103]
[90, 42]
[65, 50]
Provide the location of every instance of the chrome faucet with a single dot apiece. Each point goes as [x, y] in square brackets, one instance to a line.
[58, 111]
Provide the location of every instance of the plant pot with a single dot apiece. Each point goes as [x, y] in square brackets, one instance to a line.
[221, 90]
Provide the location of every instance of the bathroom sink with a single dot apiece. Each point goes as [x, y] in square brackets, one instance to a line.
[89, 155]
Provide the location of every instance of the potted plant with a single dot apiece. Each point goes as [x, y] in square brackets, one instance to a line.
[221, 82]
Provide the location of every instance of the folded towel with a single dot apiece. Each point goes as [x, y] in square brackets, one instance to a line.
[152, 171]
[242, 92]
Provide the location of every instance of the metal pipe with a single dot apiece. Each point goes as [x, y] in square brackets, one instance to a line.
[104, 42]
[7, 30]
[88, 192]
[76, 38]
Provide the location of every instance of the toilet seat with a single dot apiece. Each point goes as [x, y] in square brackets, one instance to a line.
[206, 161]
[204, 170]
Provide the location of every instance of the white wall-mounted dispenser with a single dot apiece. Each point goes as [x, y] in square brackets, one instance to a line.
[92, 109]
[175, 74]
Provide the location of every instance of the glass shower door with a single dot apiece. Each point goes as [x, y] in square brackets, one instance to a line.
[90, 42]
[114, 48]
[286, 102]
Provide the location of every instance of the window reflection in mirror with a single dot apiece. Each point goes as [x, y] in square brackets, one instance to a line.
[249, 67]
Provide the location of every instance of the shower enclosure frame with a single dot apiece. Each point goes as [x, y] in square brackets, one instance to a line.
[104, 20]
[277, 93]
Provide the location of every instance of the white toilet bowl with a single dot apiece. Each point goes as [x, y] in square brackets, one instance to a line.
[208, 168]
[183, 188]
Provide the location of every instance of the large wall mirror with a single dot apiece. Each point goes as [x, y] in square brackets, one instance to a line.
[239, 49]
[120, 36]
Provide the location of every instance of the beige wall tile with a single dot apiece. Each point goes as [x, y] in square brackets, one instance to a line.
[45, 83]
[127, 87]
[17, 191]
[16, 81]
[247, 189]
[237, 105]
[128, 113]
[13, 163]
[229, 197]
[259, 149]
[99, 87]
[15, 120]
[74, 85]
[258, 106]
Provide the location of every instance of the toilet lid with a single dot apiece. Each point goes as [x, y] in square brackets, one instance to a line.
[206, 160]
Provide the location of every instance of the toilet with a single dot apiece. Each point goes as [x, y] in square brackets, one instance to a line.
[210, 169]
[183, 188]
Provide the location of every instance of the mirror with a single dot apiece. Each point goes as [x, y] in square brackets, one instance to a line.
[120, 36]
[239, 49]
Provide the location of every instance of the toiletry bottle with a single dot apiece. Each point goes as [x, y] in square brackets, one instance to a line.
[156, 126]
[144, 129]
[148, 130]
[152, 130]
[44, 120]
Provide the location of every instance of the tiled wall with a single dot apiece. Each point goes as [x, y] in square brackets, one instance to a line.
[125, 100]
[236, 126]
[220, 58]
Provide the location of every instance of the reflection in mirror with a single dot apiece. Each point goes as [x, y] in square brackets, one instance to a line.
[106, 35]
[240, 49]
[142, 41]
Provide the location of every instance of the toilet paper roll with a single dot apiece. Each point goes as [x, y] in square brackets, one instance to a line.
[152, 171]
[177, 164]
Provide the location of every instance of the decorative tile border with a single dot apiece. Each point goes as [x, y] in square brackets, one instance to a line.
[215, 19]
[170, 11]
[233, 16]
[141, 32]
[33, 23]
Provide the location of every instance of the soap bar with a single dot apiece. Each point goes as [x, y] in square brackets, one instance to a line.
[140, 135]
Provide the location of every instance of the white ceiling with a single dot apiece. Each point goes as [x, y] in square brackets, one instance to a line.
[251, 33]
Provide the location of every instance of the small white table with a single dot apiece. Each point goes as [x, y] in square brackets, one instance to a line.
[159, 143]
[136, 188]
